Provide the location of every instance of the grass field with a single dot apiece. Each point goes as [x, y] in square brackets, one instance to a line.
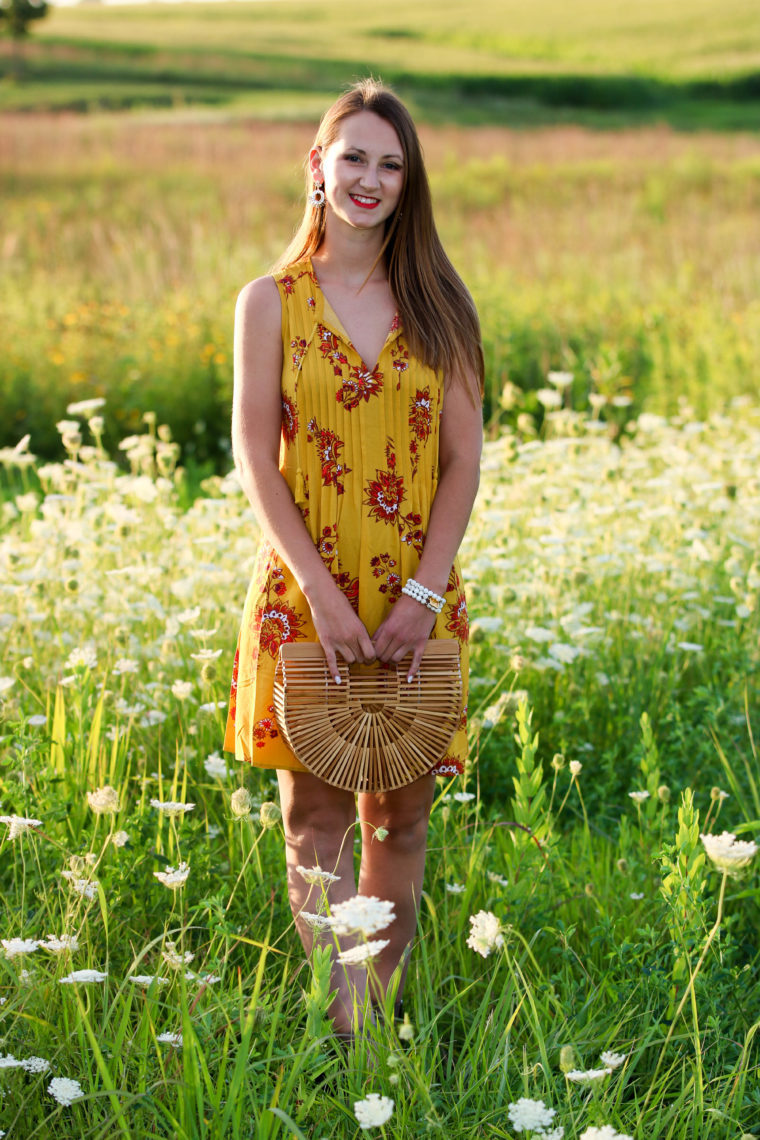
[629, 258]
[614, 606]
[691, 63]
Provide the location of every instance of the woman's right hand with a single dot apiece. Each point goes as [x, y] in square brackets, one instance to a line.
[339, 629]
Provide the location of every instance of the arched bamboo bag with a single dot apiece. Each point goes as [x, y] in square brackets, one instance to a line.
[375, 731]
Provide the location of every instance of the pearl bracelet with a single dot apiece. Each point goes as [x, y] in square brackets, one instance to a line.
[422, 595]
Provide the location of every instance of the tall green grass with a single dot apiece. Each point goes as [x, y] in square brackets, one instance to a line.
[621, 258]
[614, 602]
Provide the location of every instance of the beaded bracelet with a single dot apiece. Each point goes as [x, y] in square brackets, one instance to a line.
[422, 595]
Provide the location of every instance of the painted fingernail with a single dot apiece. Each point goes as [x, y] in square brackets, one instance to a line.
[409, 679]
[337, 678]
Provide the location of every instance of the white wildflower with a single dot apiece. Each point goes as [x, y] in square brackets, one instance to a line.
[125, 665]
[575, 767]
[362, 914]
[374, 1111]
[174, 879]
[207, 654]
[88, 888]
[639, 797]
[66, 944]
[175, 958]
[171, 807]
[104, 801]
[65, 1090]
[82, 658]
[316, 875]
[215, 765]
[588, 1076]
[613, 1060]
[486, 934]
[9, 1062]
[18, 824]
[464, 797]
[606, 1132]
[212, 706]
[729, 853]
[560, 379]
[37, 720]
[144, 981]
[182, 690]
[528, 1115]
[120, 838]
[85, 407]
[6, 683]
[270, 815]
[315, 921]
[456, 888]
[173, 1039]
[83, 976]
[241, 803]
[15, 947]
[636, 895]
[35, 1065]
[361, 955]
[549, 397]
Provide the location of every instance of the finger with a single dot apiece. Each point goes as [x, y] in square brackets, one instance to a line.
[416, 662]
[400, 653]
[367, 649]
[332, 663]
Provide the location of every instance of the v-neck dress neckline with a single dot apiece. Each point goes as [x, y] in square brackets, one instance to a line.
[330, 317]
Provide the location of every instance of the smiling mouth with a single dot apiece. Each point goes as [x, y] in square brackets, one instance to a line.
[365, 203]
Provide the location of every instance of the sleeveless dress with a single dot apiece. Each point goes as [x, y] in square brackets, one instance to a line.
[359, 452]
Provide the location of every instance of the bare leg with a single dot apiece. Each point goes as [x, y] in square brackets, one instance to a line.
[393, 869]
[319, 823]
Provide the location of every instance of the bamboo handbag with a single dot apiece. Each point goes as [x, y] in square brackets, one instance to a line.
[375, 731]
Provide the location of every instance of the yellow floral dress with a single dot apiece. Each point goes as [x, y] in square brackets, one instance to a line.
[359, 452]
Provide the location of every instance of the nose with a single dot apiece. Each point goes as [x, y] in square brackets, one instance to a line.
[370, 179]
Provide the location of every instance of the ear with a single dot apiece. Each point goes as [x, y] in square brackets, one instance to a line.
[315, 164]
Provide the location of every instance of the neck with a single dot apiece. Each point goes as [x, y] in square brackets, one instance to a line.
[348, 256]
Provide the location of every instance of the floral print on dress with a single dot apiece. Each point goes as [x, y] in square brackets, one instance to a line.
[329, 346]
[329, 445]
[289, 420]
[385, 568]
[360, 385]
[458, 624]
[385, 494]
[265, 728]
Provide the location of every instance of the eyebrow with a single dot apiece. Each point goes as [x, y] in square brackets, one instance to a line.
[350, 146]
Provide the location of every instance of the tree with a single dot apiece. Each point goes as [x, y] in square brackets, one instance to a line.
[15, 17]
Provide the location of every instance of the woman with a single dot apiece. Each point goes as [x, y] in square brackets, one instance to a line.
[356, 430]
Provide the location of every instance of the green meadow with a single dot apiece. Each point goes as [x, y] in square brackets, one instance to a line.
[586, 964]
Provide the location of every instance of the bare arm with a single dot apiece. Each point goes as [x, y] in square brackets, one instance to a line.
[256, 428]
[409, 625]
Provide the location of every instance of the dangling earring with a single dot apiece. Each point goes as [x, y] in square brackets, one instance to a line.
[317, 196]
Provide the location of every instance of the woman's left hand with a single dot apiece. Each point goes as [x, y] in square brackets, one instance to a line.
[406, 629]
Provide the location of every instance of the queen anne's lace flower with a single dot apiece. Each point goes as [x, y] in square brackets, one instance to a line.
[67, 943]
[83, 976]
[14, 947]
[171, 807]
[361, 955]
[316, 875]
[36, 1065]
[65, 1090]
[485, 934]
[374, 1111]
[588, 1076]
[363, 914]
[88, 888]
[173, 1039]
[174, 879]
[612, 1060]
[241, 802]
[175, 958]
[104, 801]
[18, 824]
[606, 1132]
[639, 797]
[528, 1115]
[144, 981]
[729, 853]
[315, 921]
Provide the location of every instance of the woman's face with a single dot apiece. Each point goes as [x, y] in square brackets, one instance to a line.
[362, 170]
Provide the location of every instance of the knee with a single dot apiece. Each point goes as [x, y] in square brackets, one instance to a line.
[407, 828]
[316, 824]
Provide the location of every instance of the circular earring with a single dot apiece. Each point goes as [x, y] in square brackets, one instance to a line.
[317, 196]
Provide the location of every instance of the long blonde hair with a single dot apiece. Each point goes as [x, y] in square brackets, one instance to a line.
[438, 314]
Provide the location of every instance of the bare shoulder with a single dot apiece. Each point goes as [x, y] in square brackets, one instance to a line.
[258, 305]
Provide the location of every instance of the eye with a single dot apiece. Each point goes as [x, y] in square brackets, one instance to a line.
[352, 158]
[393, 166]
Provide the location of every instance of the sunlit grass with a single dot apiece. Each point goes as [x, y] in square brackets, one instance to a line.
[613, 593]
